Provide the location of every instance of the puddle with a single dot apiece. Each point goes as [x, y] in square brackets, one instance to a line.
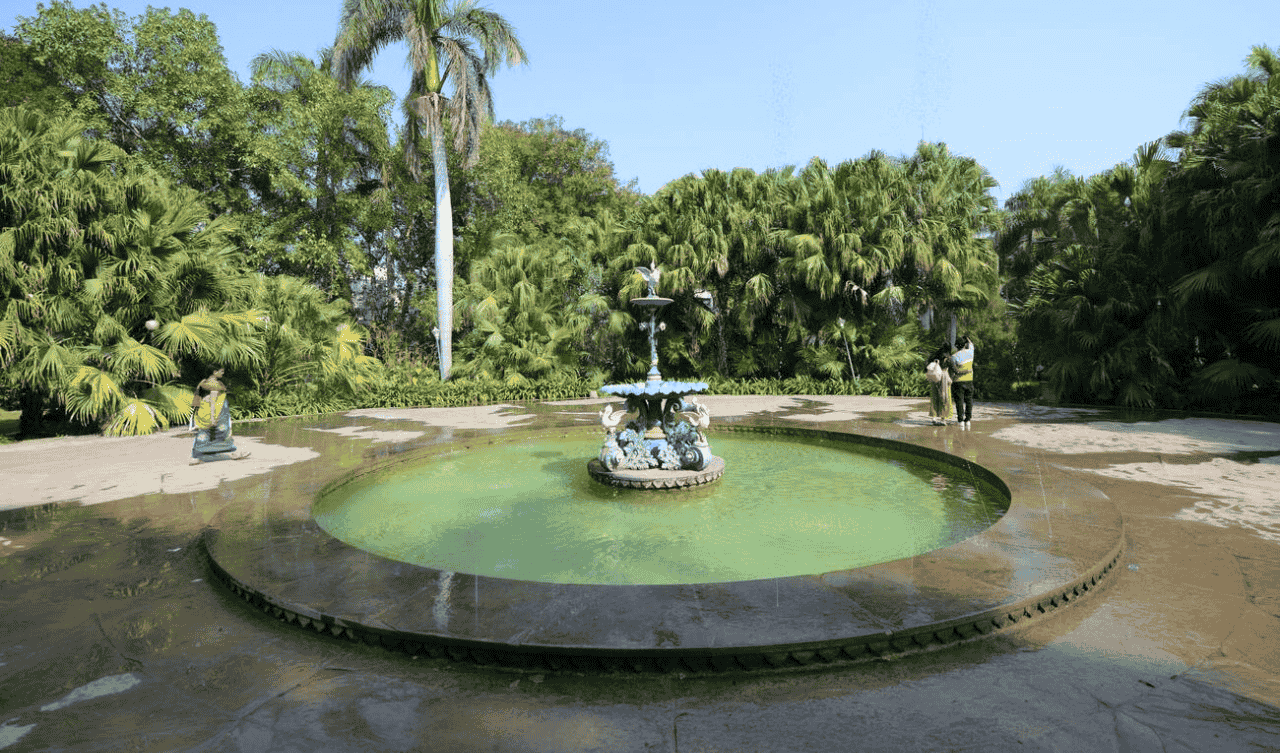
[366, 432]
[109, 685]
[1242, 494]
[12, 734]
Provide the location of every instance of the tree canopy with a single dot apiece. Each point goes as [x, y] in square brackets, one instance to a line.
[158, 87]
[1153, 284]
[158, 217]
[120, 288]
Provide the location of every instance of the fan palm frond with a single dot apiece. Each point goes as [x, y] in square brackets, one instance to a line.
[136, 418]
[130, 358]
[91, 393]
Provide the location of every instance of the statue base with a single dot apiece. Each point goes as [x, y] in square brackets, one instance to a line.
[656, 478]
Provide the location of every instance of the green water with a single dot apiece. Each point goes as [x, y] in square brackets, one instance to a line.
[784, 507]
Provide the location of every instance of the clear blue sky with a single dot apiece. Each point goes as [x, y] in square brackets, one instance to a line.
[678, 86]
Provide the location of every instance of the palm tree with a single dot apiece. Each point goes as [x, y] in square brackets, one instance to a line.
[711, 231]
[949, 264]
[1036, 225]
[1224, 222]
[115, 278]
[1098, 312]
[442, 43]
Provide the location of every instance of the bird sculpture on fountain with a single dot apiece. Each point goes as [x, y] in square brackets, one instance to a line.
[704, 297]
[610, 418]
[651, 275]
[699, 417]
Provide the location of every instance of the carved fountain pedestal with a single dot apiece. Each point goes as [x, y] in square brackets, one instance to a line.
[665, 446]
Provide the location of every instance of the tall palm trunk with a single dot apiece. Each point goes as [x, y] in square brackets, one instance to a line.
[444, 249]
[484, 41]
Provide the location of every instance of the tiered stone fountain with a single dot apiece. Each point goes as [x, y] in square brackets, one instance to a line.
[665, 446]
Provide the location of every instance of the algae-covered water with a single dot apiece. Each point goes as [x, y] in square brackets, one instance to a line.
[784, 507]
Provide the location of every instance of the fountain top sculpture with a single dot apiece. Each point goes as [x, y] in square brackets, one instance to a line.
[654, 385]
[651, 275]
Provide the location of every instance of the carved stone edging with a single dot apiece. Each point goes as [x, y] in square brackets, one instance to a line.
[854, 649]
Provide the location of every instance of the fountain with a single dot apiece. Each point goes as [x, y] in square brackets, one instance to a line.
[509, 554]
[823, 547]
[665, 446]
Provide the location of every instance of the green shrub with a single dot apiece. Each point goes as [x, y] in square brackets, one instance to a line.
[902, 382]
[1025, 391]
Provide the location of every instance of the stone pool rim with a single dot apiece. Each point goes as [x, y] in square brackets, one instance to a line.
[300, 574]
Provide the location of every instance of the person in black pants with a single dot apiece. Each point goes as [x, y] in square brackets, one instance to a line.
[962, 382]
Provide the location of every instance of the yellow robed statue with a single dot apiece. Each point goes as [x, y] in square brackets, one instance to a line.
[212, 419]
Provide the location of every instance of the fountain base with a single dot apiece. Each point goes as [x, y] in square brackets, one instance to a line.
[656, 478]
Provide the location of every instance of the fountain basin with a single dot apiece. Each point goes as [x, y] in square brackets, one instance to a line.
[662, 390]
[526, 510]
[1059, 541]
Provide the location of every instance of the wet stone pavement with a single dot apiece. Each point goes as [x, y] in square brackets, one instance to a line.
[112, 637]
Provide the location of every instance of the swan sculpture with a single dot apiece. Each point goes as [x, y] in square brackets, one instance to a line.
[700, 418]
[651, 275]
[610, 418]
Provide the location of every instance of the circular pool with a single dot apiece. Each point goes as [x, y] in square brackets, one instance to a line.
[981, 563]
[528, 510]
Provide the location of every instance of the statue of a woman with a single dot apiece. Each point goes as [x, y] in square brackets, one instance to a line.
[212, 418]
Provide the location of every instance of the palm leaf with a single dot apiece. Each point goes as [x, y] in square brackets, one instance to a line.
[109, 329]
[172, 400]
[1214, 279]
[759, 290]
[1265, 255]
[91, 394]
[1232, 374]
[50, 362]
[130, 357]
[136, 418]
[11, 331]
[194, 333]
[1265, 333]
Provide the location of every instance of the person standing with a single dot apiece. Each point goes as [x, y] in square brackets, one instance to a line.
[939, 375]
[962, 382]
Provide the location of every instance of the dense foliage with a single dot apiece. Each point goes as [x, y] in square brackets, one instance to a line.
[121, 292]
[1154, 284]
[838, 273]
[162, 218]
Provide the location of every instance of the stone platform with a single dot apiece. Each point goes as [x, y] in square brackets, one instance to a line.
[656, 479]
[1178, 652]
